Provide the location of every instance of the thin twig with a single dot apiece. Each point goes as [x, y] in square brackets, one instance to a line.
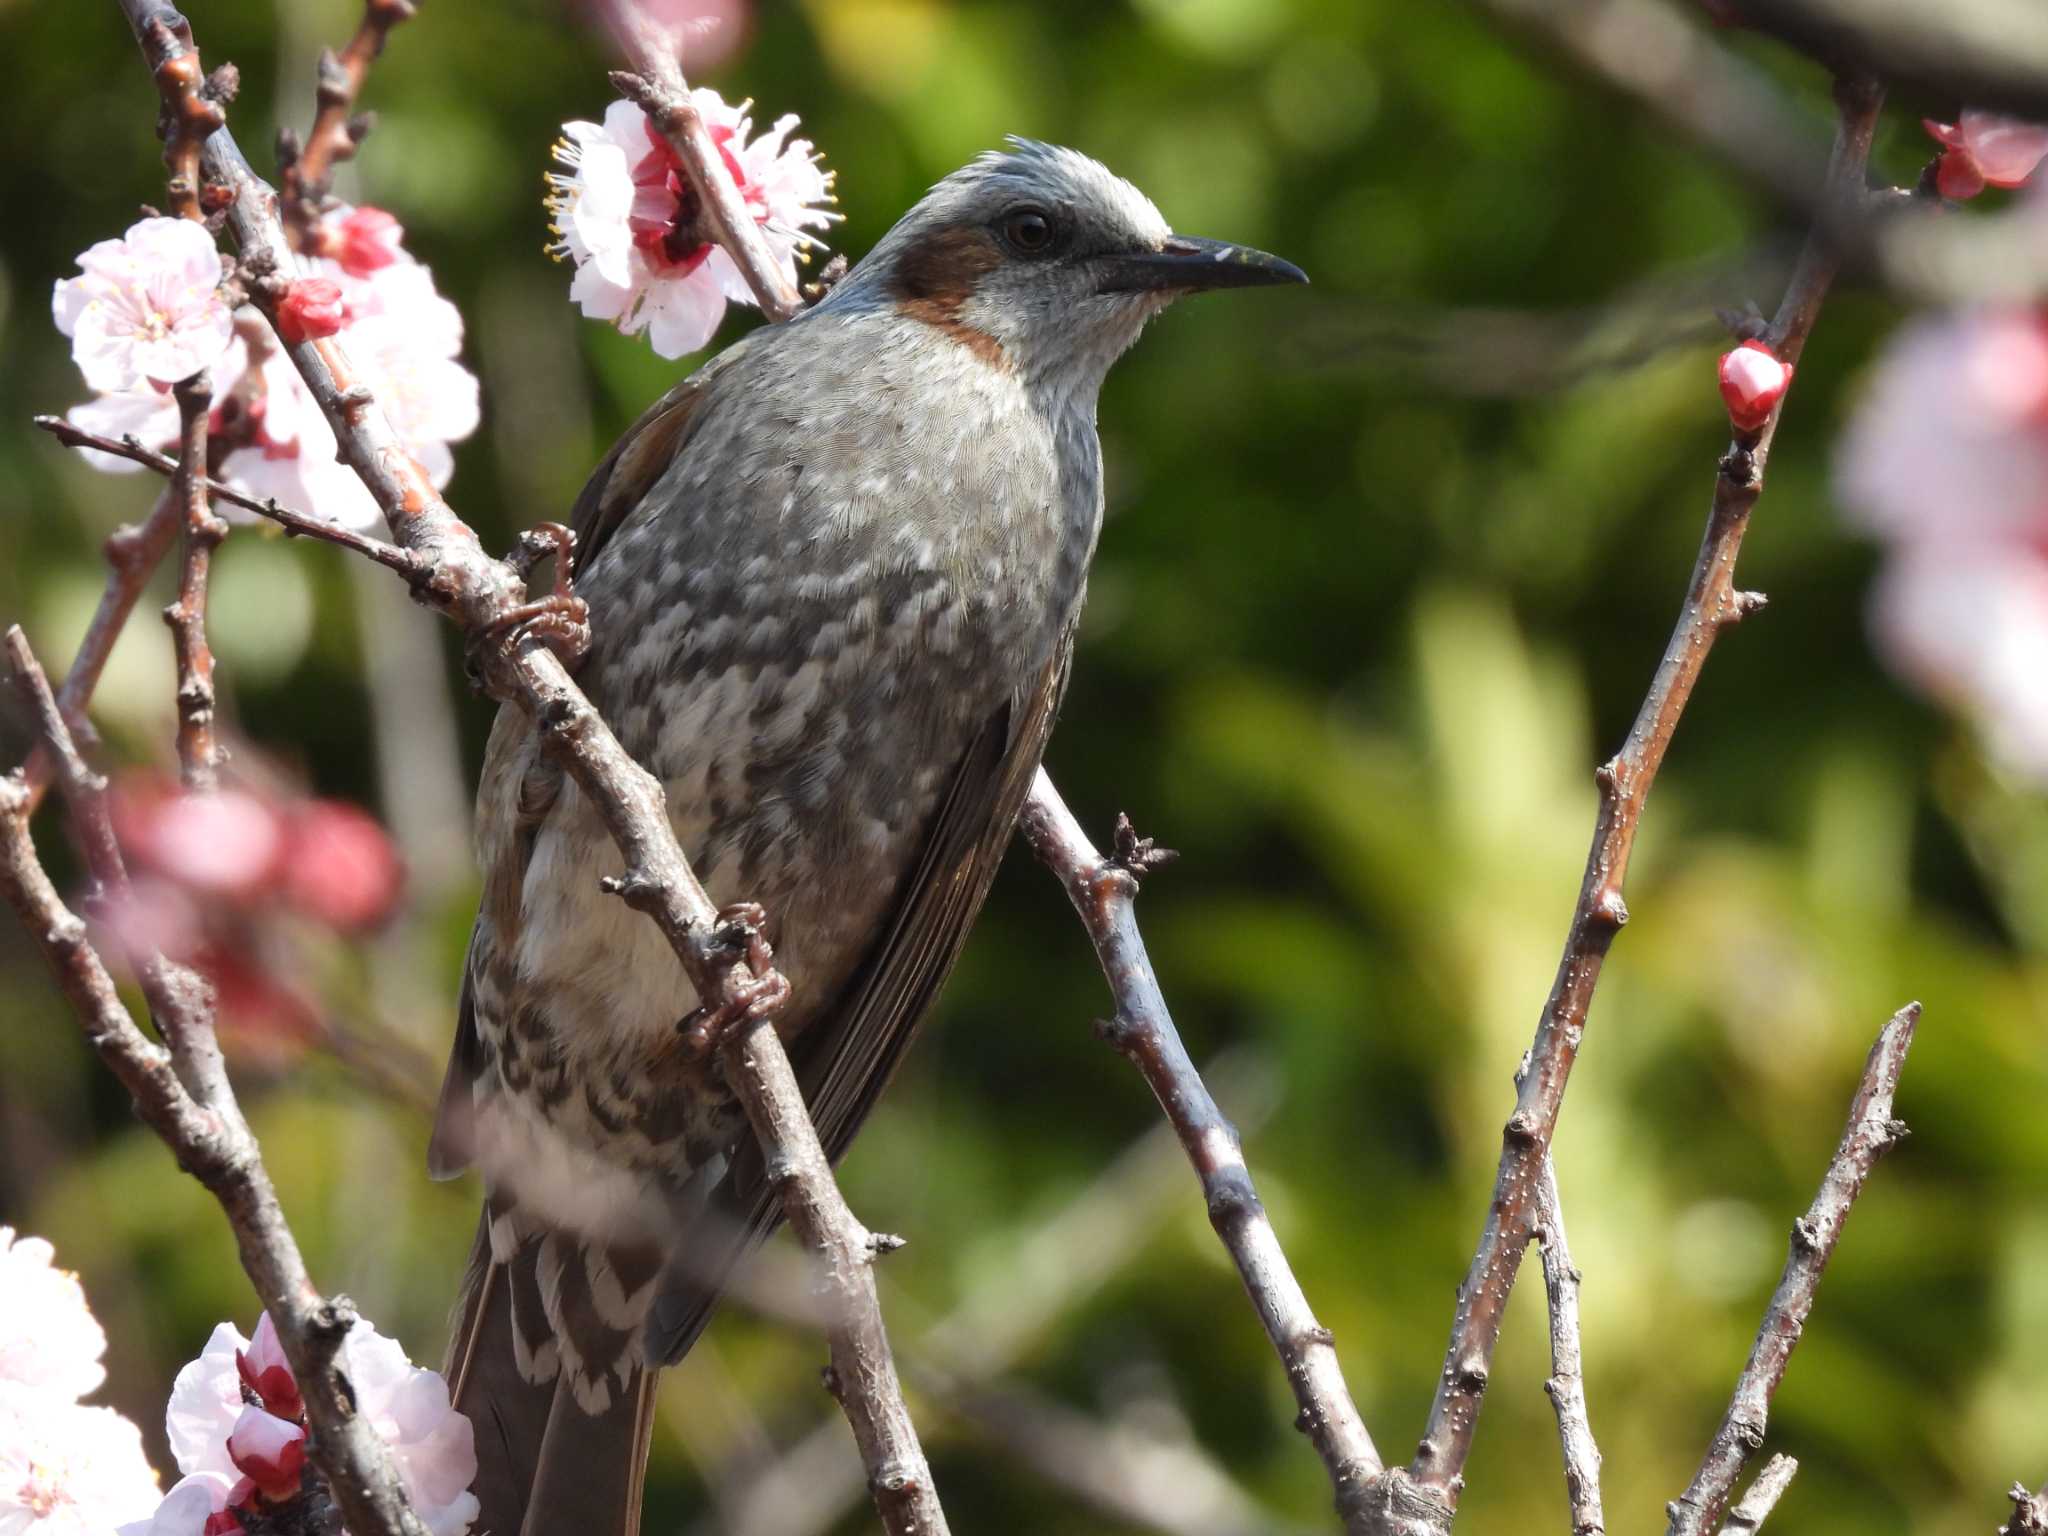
[1870, 1133]
[1712, 604]
[2029, 1513]
[186, 116]
[1103, 892]
[133, 552]
[307, 170]
[655, 81]
[1755, 1506]
[487, 598]
[183, 1094]
[148, 551]
[1566, 1387]
[199, 752]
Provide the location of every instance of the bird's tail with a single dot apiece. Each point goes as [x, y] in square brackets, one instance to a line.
[561, 1447]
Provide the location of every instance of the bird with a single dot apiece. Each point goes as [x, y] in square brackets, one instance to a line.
[833, 578]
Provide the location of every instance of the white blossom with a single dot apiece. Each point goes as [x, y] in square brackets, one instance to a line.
[626, 215]
[185, 1509]
[146, 309]
[49, 1340]
[405, 339]
[68, 1470]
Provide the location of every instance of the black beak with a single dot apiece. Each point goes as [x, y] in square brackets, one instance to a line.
[1187, 265]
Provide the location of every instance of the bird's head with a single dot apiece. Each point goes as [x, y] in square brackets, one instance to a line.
[1042, 261]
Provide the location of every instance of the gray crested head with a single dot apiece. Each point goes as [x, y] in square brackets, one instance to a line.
[1042, 261]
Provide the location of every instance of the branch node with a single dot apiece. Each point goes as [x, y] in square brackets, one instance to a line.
[1138, 856]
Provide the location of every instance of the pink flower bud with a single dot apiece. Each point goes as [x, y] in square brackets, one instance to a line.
[339, 865]
[222, 1522]
[269, 1451]
[311, 307]
[265, 1371]
[365, 240]
[1983, 150]
[1753, 381]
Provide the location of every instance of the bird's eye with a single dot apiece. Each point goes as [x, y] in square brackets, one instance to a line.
[1029, 231]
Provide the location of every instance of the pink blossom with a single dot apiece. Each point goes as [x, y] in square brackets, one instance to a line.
[404, 339]
[197, 1506]
[146, 309]
[265, 1371]
[363, 240]
[269, 1451]
[225, 842]
[206, 1399]
[312, 307]
[629, 219]
[50, 1342]
[1946, 459]
[340, 866]
[1985, 149]
[68, 1470]
[1753, 381]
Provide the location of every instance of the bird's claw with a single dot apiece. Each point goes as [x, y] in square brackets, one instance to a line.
[740, 934]
[559, 619]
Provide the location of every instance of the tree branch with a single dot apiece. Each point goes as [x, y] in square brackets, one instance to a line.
[183, 1094]
[1747, 1517]
[1566, 1387]
[1103, 892]
[1979, 53]
[1870, 1133]
[1712, 604]
[199, 752]
[295, 524]
[487, 598]
[656, 83]
[133, 552]
[2029, 1513]
[306, 173]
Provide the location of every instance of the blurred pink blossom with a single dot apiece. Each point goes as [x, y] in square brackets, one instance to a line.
[1946, 460]
[197, 1506]
[49, 1340]
[629, 219]
[1985, 149]
[146, 310]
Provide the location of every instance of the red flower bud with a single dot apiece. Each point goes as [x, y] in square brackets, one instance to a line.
[222, 1522]
[265, 1371]
[312, 307]
[1753, 381]
[269, 1451]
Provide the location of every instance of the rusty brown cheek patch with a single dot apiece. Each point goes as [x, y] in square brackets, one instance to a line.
[934, 279]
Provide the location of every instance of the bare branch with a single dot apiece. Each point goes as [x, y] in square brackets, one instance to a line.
[184, 120]
[183, 1094]
[133, 553]
[487, 598]
[307, 171]
[1712, 604]
[1870, 1133]
[2029, 1513]
[1103, 892]
[296, 524]
[199, 753]
[1748, 1516]
[1979, 53]
[1566, 1387]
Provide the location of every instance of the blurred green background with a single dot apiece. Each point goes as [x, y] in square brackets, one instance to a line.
[1387, 566]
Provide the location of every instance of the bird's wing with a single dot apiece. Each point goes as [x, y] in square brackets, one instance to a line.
[517, 780]
[846, 1058]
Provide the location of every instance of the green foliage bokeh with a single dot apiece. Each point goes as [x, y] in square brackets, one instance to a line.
[1367, 610]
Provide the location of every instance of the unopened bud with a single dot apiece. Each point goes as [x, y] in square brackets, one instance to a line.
[269, 1451]
[265, 1371]
[311, 308]
[1753, 381]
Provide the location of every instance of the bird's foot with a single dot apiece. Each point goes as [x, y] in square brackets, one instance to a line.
[559, 619]
[740, 934]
